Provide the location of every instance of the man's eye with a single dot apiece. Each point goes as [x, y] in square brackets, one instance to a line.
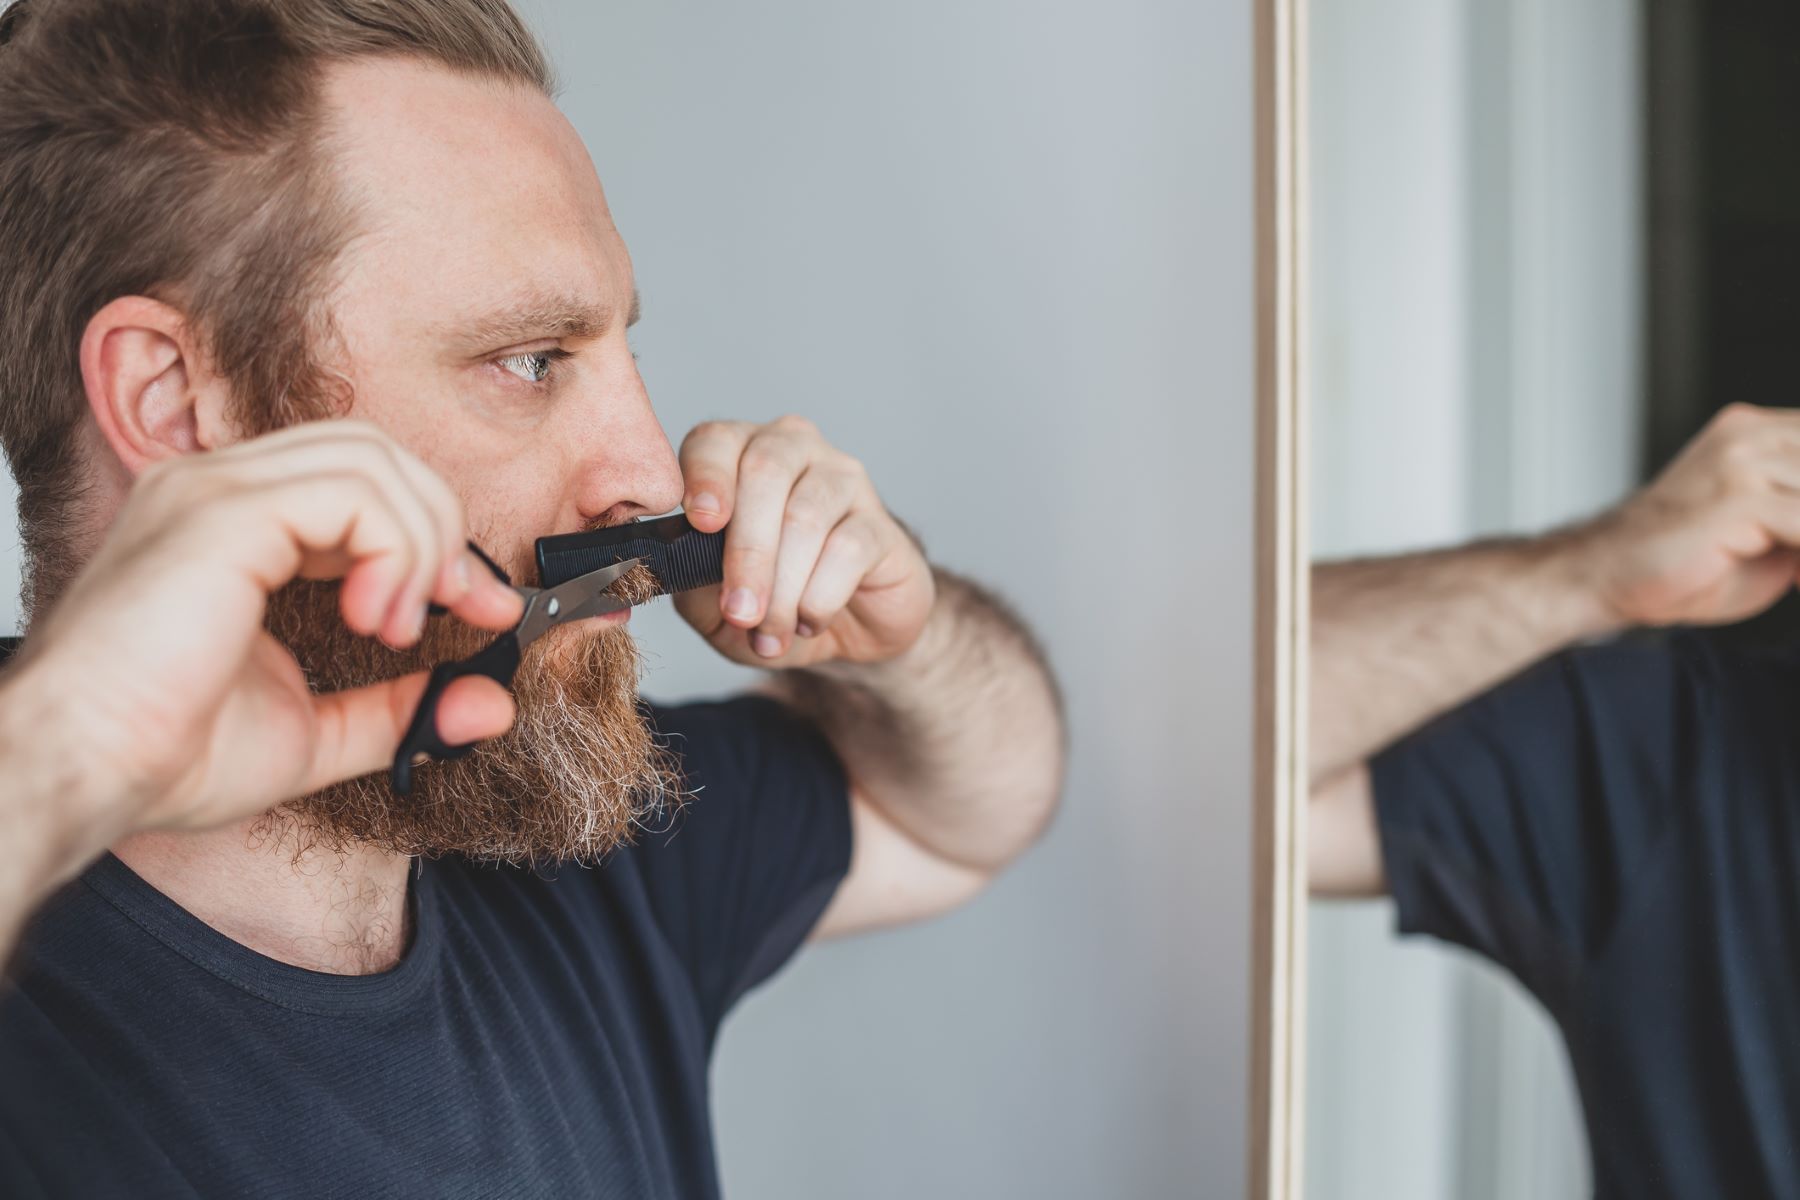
[533, 366]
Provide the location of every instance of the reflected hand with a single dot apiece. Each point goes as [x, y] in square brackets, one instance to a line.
[1715, 538]
[815, 567]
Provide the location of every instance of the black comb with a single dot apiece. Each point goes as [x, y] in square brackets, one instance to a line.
[680, 556]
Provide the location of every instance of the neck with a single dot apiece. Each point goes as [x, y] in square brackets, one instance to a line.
[342, 913]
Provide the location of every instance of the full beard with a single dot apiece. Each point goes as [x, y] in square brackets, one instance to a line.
[579, 773]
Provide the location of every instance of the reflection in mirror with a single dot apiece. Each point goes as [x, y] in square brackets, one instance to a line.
[1549, 243]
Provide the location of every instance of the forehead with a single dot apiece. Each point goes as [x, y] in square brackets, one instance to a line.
[466, 191]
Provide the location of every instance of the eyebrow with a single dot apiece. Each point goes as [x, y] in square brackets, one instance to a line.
[544, 315]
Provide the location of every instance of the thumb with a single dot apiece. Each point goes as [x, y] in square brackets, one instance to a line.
[360, 729]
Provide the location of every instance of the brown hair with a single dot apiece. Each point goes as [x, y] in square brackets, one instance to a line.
[167, 148]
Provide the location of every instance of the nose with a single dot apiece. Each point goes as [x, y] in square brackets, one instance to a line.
[623, 464]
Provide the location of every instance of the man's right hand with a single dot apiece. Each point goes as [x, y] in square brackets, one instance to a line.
[1716, 537]
[156, 686]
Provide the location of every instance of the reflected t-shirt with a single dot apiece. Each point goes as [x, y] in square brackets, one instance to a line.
[1620, 828]
[545, 1034]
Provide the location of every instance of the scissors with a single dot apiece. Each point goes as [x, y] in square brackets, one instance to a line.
[576, 571]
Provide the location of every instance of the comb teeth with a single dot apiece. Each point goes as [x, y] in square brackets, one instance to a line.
[678, 555]
[694, 561]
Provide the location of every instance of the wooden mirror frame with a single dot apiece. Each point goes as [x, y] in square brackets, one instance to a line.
[1278, 908]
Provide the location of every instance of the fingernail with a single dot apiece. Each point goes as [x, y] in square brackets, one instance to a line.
[459, 574]
[804, 630]
[766, 645]
[416, 626]
[741, 604]
[705, 502]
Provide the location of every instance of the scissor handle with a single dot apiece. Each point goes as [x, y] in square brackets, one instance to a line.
[499, 661]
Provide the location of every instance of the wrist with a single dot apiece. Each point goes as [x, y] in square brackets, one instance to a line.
[927, 646]
[1569, 571]
[59, 812]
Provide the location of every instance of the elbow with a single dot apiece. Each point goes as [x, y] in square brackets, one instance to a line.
[1036, 797]
[1343, 837]
[1022, 805]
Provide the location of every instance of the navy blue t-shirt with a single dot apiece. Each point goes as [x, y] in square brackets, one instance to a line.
[1620, 828]
[545, 1034]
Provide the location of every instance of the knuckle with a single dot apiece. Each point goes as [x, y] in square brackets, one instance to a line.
[851, 542]
[707, 431]
[796, 424]
[1738, 422]
[804, 519]
[366, 459]
[748, 556]
[1739, 456]
[368, 495]
[175, 490]
[762, 457]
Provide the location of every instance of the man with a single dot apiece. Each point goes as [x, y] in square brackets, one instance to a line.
[1615, 824]
[219, 217]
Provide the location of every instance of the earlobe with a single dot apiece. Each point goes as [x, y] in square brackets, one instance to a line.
[138, 365]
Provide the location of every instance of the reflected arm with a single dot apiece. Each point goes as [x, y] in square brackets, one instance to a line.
[1397, 641]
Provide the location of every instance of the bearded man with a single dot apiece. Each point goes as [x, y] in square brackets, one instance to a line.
[224, 217]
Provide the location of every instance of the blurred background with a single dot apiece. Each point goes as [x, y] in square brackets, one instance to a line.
[1549, 240]
[1001, 251]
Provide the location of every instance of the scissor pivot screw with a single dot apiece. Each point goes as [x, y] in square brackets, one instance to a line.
[553, 607]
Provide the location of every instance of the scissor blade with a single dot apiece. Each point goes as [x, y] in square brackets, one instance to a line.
[581, 597]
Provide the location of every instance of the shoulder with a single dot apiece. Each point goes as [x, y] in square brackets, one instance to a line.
[741, 740]
[732, 718]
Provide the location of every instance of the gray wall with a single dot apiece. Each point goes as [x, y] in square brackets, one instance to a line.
[1000, 250]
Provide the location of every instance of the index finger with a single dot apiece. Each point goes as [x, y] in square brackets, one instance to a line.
[471, 592]
[709, 471]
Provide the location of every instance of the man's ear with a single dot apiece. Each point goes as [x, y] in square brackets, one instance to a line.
[151, 393]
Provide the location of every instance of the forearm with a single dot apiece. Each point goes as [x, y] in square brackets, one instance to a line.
[1397, 641]
[959, 740]
[56, 819]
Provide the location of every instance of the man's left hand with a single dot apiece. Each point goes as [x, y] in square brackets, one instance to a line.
[815, 567]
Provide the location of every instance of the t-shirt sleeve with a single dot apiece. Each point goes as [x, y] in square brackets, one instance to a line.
[1518, 824]
[744, 870]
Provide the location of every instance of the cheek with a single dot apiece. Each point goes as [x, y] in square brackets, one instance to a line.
[419, 409]
[508, 510]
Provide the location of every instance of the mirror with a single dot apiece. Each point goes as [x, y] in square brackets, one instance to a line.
[1008, 256]
[1548, 242]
